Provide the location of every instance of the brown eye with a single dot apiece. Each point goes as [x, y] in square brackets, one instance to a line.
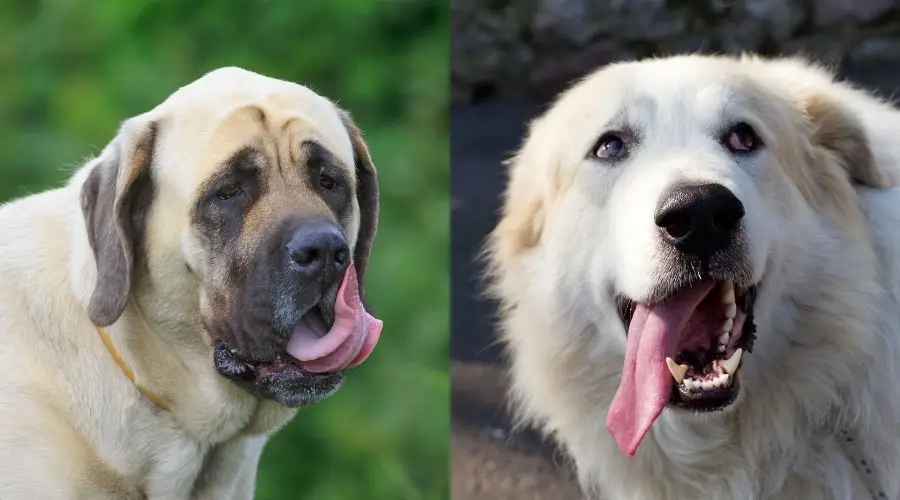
[610, 147]
[742, 139]
[229, 191]
[326, 181]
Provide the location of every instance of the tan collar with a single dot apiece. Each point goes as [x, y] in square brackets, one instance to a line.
[128, 373]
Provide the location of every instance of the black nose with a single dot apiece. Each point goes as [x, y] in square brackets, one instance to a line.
[318, 248]
[699, 220]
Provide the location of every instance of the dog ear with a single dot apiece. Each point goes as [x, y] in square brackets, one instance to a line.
[366, 195]
[522, 215]
[836, 130]
[115, 200]
[531, 177]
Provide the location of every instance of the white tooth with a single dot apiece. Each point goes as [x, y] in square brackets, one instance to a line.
[707, 385]
[731, 365]
[724, 378]
[722, 347]
[728, 293]
[676, 370]
[691, 384]
[729, 324]
[731, 310]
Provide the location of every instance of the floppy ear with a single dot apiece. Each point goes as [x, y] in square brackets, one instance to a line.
[839, 132]
[531, 177]
[522, 216]
[366, 196]
[115, 200]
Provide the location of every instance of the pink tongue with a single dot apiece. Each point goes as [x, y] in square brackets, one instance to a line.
[350, 340]
[646, 383]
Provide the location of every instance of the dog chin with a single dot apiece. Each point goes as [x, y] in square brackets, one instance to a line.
[283, 380]
[279, 377]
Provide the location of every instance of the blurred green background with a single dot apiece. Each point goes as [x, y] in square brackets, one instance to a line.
[71, 71]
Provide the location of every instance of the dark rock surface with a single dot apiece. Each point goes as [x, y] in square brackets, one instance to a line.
[520, 47]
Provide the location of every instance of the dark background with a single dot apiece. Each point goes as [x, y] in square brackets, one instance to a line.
[509, 58]
[70, 72]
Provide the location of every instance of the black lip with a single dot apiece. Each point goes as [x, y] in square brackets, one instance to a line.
[283, 381]
[706, 401]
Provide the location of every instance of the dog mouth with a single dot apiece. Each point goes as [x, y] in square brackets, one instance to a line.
[683, 351]
[318, 320]
[719, 332]
[325, 341]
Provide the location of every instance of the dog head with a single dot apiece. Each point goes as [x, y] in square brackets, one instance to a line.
[263, 194]
[671, 206]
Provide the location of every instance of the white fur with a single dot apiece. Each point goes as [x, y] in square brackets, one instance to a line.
[826, 357]
[72, 426]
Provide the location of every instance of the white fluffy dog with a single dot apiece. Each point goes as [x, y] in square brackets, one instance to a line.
[697, 265]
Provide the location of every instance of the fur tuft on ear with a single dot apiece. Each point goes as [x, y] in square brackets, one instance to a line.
[525, 199]
[839, 132]
[115, 199]
[366, 196]
[522, 216]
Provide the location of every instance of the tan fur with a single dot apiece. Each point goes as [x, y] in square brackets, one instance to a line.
[72, 426]
[822, 211]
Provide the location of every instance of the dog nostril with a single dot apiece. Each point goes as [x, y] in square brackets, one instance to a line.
[677, 227]
[727, 219]
[341, 257]
[306, 256]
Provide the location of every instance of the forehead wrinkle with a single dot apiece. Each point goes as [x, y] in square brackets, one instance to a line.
[293, 133]
[335, 140]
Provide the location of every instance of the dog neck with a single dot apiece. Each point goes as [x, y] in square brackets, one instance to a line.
[157, 400]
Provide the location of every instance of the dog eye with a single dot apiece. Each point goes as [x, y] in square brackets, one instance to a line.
[610, 147]
[742, 139]
[229, 191]
[326, 181]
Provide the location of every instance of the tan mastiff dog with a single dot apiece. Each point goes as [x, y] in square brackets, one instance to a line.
[169, 309]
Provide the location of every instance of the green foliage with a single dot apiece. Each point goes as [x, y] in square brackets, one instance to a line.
[72, 71]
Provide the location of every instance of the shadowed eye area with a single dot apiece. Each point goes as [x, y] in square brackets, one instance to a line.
[229, 191]
[326, 181]
[742, 138]
[610, 146]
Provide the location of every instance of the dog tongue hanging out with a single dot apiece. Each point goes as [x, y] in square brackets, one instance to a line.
[347, 343]
[681, 350]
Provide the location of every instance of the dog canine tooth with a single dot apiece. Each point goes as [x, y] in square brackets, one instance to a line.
[676, 370]
[731, 364]
[728, 293]
[724, 338]
[728, 326]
